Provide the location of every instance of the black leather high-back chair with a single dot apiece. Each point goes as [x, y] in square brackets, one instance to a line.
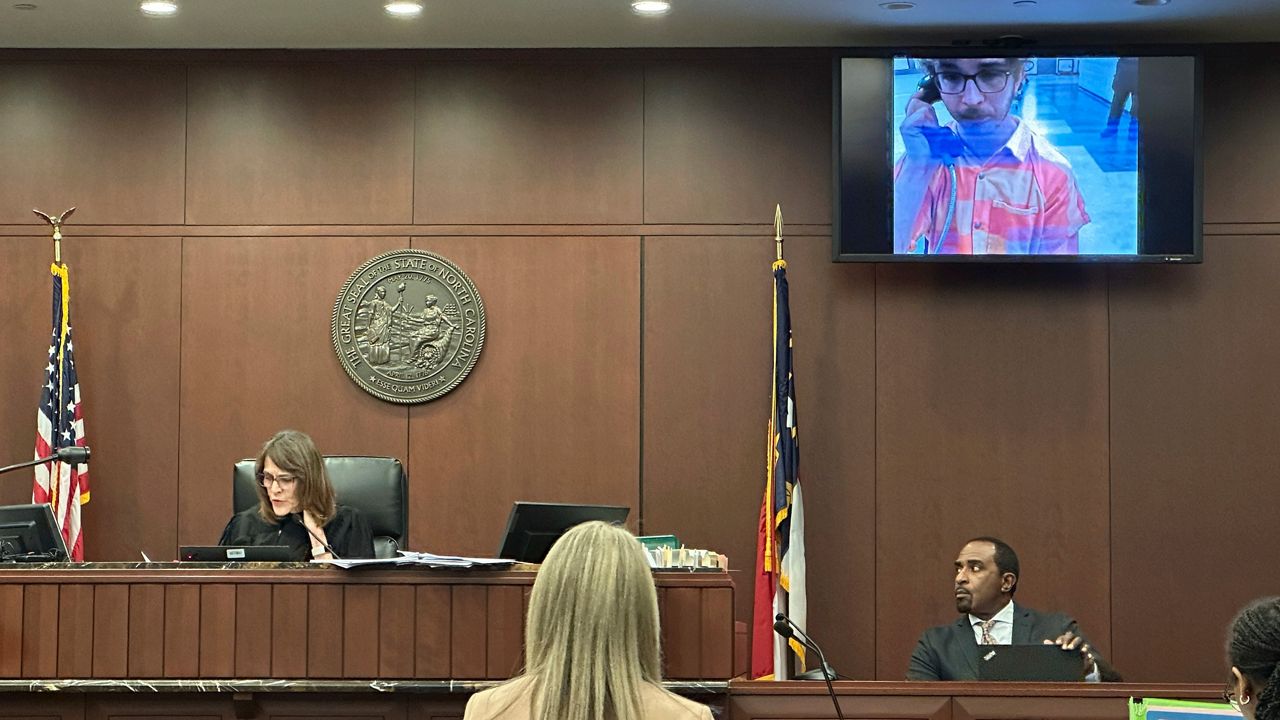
[376, 486]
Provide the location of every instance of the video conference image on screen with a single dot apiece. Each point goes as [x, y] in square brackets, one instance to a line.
[1009, 155]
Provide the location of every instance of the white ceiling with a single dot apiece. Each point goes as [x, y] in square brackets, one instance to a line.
[610, 23]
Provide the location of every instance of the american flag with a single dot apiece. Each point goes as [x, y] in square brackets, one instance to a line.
[60, 423]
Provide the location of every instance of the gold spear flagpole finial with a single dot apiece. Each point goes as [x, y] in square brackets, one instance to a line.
[56, 222]
[777, 228]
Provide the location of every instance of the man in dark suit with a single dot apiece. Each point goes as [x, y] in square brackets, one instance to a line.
[986, 579]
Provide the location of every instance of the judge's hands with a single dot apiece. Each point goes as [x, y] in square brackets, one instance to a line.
[1070, 641]
[313, 525]
[317, 531]
[309, 520]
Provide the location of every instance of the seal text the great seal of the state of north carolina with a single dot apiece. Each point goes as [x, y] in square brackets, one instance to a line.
[408, 326]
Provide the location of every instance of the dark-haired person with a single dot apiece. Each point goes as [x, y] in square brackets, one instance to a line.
[296, 506]
[986, 577]
[1013, 191]
[1254, 652]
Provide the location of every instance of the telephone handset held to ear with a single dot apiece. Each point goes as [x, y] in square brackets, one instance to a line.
[928, 87]
[944, 144]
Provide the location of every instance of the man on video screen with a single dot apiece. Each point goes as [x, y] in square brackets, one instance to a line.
[985, 183]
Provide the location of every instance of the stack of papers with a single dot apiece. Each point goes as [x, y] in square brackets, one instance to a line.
[417, 558]
[408, 557]
[684, 558]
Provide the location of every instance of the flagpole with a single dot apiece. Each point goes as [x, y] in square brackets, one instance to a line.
[55, 222]
[777, 228]
[781, 654]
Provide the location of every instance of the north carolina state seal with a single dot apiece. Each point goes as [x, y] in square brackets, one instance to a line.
[408, 326]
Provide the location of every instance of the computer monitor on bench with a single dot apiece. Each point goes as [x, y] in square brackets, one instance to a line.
[532, 527]
[28, 533]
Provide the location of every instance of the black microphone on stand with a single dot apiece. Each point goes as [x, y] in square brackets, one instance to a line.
[791, 630]
[74, 454]
[787, 629]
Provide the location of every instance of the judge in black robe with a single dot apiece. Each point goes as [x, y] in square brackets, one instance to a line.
[347, 533]
[296, 506]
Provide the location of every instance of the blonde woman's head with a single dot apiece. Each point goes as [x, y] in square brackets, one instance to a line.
[592, 637]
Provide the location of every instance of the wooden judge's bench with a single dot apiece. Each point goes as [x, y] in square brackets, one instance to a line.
[106, 641]
[951, 700]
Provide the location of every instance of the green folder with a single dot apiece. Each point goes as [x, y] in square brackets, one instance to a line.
[653, 542]
[1163, 709]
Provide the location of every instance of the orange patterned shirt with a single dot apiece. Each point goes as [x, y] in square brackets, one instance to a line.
[1022, 200]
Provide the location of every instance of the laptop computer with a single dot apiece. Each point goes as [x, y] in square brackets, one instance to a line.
[235, 553]
[1031, 663]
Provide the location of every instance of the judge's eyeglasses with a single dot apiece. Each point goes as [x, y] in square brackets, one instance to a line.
[266, 479]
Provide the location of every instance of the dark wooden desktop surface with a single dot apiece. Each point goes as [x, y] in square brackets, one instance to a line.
[951, 700]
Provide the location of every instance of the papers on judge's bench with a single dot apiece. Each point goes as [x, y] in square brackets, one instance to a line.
[408, 557]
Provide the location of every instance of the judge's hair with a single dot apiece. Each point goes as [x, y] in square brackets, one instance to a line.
[592, 638]
[1254, 648]
[295, 453]
[1006, 558]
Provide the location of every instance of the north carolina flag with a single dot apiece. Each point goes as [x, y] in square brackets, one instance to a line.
[780, 566]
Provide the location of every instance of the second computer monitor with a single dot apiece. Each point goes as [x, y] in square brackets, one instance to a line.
[533, 527]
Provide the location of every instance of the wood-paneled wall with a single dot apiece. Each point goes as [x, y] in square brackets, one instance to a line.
[1117, 425]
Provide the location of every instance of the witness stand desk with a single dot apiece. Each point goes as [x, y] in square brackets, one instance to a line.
[951, 700]
[101, 640]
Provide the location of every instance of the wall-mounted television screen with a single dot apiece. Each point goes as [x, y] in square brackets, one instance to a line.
[1012, 156]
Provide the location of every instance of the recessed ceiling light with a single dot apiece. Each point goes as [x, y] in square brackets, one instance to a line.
[1151, 2]
[1023, 3]
[897, 5]
[158, 8]
[25, 6]
[650, 7]
[403, 9]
